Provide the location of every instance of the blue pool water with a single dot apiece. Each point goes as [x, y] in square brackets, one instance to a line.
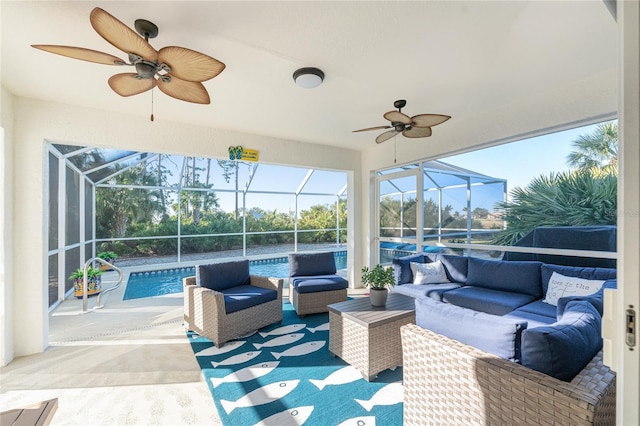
[168, 281]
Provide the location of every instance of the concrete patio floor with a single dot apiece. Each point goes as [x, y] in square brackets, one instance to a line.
[129, 363]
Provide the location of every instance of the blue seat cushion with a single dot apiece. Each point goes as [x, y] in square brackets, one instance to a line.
[494, 334]
[564, 348]
[482, 299]
[434, 291]
[220, 276]
[246, 296]
[402, 267]
[533, 319]
[540, 308]
[305, 264]
[457, 267]
[318, 283]
[516, 277]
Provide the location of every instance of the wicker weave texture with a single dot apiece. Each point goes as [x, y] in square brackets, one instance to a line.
[449, 383]
[204, 311]
[369, 349]
[313, 303]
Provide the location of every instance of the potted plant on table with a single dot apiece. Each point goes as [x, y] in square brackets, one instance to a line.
[378, 280]
[108, 256]
[94, 281]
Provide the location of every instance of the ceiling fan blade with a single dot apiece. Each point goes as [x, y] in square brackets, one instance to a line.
[189, 91]
[397, 116]
[417, 132]
[127, 84]
[81, 53]
[371, 128]
[121, 36]
[429, 120]
[190, 65]
[386, 136]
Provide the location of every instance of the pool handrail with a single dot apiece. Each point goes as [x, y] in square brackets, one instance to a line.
[84, 283]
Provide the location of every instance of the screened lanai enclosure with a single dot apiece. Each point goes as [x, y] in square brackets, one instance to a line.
[424, 206]
[152, 208]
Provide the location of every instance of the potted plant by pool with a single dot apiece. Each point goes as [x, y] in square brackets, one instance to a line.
[110, 257]
[94, 281]
[378, 280]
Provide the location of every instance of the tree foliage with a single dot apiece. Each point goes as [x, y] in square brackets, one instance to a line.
[596, 150]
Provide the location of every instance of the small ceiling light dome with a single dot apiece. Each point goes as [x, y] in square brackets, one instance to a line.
[308, 77]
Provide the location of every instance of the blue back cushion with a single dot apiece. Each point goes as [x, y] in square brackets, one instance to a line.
[456, 267]
[307, 264]
[402, 267]
[220, 276]
[564, 348]
[586, 273]
[519, 277]
[498, 335]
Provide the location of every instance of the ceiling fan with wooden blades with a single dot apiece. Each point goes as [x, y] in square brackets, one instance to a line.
[176, 71]
[418, 126]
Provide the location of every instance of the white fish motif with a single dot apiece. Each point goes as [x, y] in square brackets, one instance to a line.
[287, 339]
[230, 346]
[246, 374]
[303, 349]
[293, 416]
[261, 396]
[284, 330]
[389, 395]
[321, 327]
[339, 377]
[237, 359]
[360, 421]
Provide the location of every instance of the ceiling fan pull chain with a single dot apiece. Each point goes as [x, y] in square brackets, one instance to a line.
[151, 104]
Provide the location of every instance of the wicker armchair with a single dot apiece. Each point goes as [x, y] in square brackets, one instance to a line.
[447, 382]
[205, 313]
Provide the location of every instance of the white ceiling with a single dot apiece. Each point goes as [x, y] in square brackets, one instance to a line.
[450, 57]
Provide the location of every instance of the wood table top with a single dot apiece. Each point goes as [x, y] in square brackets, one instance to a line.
[361, 311]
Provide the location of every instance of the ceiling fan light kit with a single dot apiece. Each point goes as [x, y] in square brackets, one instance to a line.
[418, 126]
[176, 71]
[308, 77]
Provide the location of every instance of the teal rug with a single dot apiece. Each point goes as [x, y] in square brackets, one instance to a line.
[285, 375]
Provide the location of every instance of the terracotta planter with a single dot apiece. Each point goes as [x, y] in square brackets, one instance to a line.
[378, 297]
[94, 287]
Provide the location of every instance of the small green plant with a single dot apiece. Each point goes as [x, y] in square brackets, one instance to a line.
[91, 273]
[108, 255]
[378, 278]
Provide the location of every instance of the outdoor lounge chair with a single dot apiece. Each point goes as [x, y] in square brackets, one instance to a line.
[223, 301]
[313, 282]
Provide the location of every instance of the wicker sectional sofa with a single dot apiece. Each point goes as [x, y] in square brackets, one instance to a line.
[502, 342]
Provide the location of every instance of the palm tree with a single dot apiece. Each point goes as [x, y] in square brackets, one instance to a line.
[598, 149]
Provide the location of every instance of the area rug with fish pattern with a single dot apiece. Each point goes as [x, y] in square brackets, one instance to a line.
[285, 375]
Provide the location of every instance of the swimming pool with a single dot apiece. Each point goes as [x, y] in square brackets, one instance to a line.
[168, 281]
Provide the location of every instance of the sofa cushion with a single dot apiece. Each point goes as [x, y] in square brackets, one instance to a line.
[428, 273]
[305, 264]
[220, 276]
[533, 319]
[402, 267]
[564, 348]
[318, 283]
[562, 286]
[538, 307]
[245, 296]
[434, 291]
[516, 277]
[498, 335]
[457, 267]
[546, 270]
[482, 299]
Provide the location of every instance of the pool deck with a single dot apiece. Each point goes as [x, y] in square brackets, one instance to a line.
[129, 363]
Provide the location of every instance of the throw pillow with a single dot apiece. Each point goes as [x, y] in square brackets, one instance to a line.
[562, 286]
[429, 273]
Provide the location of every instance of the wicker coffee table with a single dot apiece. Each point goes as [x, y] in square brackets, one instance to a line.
[368, 337]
